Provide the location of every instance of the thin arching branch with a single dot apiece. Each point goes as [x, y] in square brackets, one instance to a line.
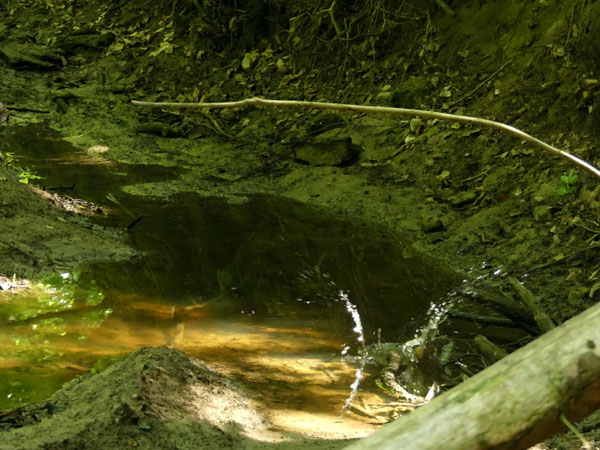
[403, 112]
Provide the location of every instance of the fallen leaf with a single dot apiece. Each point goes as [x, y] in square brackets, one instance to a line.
[442, 176]
[249, 59]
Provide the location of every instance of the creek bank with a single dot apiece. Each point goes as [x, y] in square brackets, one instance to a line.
[36, 237]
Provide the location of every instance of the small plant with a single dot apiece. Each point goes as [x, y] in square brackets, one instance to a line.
[27, 175]
[7, 158]
[567, 184]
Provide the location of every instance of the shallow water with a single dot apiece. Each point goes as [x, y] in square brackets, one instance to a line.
[251, 288]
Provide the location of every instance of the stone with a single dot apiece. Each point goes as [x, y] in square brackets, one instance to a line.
[339, 152]
[432, 224]
[31, 56]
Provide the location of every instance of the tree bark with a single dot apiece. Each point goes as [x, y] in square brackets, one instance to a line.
[514, 403]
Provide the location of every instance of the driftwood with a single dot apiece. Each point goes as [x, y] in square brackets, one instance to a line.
[257, 101]
[515, 403]
[442, 4]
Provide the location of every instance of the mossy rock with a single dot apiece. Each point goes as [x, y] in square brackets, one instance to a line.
[339, 152]
[31, 56]
[411, 93]
[74, 43]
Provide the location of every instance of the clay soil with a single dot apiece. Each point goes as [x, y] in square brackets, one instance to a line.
[484, 203]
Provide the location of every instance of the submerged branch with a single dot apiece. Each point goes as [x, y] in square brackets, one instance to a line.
[403, 112]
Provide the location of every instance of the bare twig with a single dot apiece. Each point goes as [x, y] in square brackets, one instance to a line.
[338, 31]
[442, 4]
[491, 351]
[483, 83]
[560, 260]
[257, 101]
[488, 320]
[542, 319]
[585, 444]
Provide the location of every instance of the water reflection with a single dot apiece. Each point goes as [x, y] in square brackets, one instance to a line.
[293, 370]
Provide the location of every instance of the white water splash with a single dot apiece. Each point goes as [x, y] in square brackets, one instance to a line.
[358, 329]
[426, 334]
[354, 387]
[353, 310]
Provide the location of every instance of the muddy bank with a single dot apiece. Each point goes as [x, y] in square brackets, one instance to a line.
[38, 237]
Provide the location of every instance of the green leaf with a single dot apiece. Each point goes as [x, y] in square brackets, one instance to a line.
[560, 190]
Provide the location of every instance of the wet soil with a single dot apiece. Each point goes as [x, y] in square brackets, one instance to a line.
[484, 203]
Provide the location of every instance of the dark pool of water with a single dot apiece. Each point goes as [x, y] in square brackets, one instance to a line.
[225, 282]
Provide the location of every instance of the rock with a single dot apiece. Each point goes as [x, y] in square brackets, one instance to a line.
[339, 152]
[74, 43]
[411, 93]
[31, 57]
[432, 224]
[462, 198]
[157, 129]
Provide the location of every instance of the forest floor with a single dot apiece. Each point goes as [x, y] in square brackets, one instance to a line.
[486, 204]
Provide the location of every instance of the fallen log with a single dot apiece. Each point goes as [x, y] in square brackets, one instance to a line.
[513, 404]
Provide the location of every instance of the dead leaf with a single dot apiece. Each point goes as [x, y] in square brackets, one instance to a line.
[249, 59]
[446, 93]
[444, 175]
[281, 66]
[165, 47]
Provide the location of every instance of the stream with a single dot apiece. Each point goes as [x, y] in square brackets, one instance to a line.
[262, 290]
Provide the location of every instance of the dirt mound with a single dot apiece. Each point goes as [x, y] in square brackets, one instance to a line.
[155, 398]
